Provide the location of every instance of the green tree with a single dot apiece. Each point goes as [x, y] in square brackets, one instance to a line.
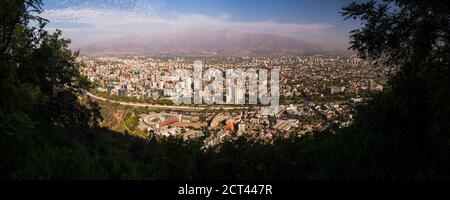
[39, 83]
[404, 132]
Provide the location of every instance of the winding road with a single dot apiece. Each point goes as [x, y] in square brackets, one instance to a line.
[181, 108]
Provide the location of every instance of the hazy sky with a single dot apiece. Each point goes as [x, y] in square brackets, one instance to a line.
[85, 21]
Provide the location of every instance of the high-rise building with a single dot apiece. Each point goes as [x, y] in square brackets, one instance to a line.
[122, 92]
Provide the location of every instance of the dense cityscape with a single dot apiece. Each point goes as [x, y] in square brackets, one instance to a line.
[317, 93]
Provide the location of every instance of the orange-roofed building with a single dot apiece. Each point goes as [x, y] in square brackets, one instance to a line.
[230, 126]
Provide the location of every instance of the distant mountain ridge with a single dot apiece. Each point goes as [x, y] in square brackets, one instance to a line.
[202, 42]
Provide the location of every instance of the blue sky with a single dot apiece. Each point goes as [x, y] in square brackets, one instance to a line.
[84, 21]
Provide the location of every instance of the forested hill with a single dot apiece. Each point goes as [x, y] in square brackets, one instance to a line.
[48, 131]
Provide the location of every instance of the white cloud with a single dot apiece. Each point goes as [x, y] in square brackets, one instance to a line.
[91, 15]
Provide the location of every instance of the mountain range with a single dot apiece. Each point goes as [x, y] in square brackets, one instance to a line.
[202, 43]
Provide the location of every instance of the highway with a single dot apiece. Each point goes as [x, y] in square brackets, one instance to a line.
[174, 107]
